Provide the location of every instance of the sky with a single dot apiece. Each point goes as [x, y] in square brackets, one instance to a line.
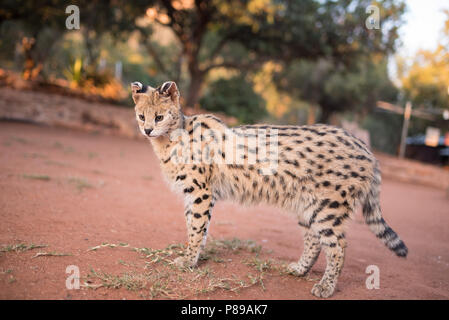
[422, 27]
[423, 24]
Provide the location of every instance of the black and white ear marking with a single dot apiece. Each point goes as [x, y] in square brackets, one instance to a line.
[138, 90]
[169, 89]
[165, 88]
[137, 87]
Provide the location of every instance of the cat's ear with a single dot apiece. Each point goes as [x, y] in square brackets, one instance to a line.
[169, 89]
[138, 90]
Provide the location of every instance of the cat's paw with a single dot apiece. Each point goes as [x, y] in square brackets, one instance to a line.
[296, 269]
[323, 290]
[183, 262]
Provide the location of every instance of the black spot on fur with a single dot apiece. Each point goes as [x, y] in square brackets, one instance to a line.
[340, 219]
[196, 182]
[189, 190]
[328, 218]
[323, 204]
[290, 174]
[327, 232]
[334, 204]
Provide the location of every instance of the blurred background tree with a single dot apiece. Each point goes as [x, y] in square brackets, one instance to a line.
[425, 82]
[244, 34]
[354, 88]
[32, 27]
[208, 35]
[282, 61]
[39, 27]
[235, 97]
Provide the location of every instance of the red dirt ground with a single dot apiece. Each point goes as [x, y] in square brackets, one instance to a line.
[107, 189]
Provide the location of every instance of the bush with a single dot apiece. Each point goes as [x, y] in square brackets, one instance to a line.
[385, 131]
[234, 97]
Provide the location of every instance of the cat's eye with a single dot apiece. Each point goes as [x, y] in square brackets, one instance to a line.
[142, 117]
[158, 118]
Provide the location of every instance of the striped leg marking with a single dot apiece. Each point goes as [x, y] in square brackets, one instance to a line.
[198, 216]
[312, 248]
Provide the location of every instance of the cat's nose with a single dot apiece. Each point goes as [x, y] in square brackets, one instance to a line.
[148, 131]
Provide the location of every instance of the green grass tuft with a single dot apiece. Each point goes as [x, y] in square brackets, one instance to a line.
[37, 177]
[80, 184]
[21, 247]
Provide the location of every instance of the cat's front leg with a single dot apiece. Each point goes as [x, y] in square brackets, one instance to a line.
[198, 214]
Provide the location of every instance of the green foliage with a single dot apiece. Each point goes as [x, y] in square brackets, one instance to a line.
[42, 24]
[320, 42]
[73, 73]
[314, 29]
[242, 35]
[425, 83]
[337, 88]
[385, 131]
[34, 16]
[236, 98]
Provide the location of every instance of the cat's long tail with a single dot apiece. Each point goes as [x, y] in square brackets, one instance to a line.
[373, 218]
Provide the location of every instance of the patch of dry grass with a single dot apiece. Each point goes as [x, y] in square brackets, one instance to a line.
[80, 183]
[50, 254]
[21, 247]
[161, 279]
[37, 177]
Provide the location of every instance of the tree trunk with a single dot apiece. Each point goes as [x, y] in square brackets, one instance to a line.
[193, 95]
[325, 115]
[311, 114]
[30, 69]
[91, 55]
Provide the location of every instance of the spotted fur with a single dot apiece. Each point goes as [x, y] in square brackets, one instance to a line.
[321, 174]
